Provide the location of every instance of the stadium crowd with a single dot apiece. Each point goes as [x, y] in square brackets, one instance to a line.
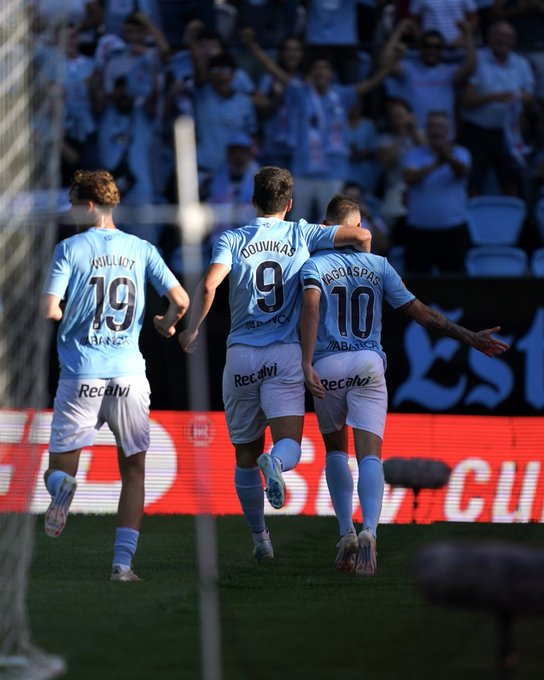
[412, 106]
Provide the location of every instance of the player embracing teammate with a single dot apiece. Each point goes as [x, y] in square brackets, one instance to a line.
[344, 368]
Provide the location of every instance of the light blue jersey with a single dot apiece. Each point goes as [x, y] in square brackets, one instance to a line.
[353, 286]
[264, 259]
[102, 275]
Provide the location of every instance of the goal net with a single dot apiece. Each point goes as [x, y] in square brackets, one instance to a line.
[30, 124]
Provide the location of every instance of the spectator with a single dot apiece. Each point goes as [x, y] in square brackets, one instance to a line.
[79, 140]
[272, 21]
[493, 103]
[231, 189]
[138, 62]
[275, 118]
[192, 64]
[220, 113]
[176, 16]
[426, 79]
[116, 13]
[371, 219]
[319, 110]
[188, 68]
[400, 136]
[445, 16]
[86, 14]
[331, 32]
[362, 138]
[436, 176]
[125, 148]
[527, 18]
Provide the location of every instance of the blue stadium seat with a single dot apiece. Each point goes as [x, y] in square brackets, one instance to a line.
[496, 261]
[495, 220]
[537, 262]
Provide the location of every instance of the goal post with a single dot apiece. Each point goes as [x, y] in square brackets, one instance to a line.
[195, 221]
[30, 125]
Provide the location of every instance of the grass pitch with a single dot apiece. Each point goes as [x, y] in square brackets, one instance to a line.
[293, 618]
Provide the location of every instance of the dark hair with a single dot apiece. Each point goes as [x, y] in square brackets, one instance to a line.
[272, 189]
[339, 207]
[398, 101]
[431, 34]
[222, 60]
[97, 186]
[438, 113]
[134, 19]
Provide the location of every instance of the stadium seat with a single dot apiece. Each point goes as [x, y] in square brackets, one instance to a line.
[496, 261]
[539, 217]
[537, 262]
[495, 220]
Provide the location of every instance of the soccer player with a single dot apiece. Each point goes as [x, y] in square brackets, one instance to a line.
[96, 288]
[344, 365]
[263, 382]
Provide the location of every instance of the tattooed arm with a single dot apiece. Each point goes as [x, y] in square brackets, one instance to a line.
[433, 321]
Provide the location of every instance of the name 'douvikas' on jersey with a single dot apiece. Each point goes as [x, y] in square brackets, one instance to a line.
[353, 287]
[264, 259]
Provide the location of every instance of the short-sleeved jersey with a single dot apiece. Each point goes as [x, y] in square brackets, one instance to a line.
[102, 275]
[353, 287]
[264, 259]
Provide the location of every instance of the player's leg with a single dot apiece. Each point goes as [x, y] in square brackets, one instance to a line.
[246, 424]
[331, 416]
[60, 480]
[282, 401]
[129, 514]
[340, 485]
[367, 408]
[126, 410]
[285, 454]
[249, 489]
[72, 428]
[370, 487]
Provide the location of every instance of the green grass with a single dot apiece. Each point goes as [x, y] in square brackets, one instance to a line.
[293, 618]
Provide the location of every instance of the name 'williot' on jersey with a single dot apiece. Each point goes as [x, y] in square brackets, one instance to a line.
[264, 259]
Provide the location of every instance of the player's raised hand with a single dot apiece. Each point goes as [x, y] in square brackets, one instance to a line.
[187, 340]
[487, 344]
[313, 382]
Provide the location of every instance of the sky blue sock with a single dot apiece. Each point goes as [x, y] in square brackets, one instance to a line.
[370, 489]
[54, 481]
[249, 487]
[340, 483]
[124, 548]
[288, 452]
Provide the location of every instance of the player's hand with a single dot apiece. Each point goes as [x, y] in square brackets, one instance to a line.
[488, 345]
[313, 382]
[161, 327]
[187, 340]
[365, 244]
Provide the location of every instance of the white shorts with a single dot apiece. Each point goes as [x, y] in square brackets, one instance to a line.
[356, 393]
[83, 405]
[260, 383]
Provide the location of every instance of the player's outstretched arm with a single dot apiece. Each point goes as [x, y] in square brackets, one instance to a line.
[50, 307]
[309, 321]
[429, 318]
[358, 237]
[202, 302]
[178, 304]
